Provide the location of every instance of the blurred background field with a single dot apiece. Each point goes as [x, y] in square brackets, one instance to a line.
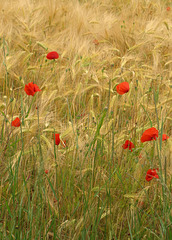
[90, 188]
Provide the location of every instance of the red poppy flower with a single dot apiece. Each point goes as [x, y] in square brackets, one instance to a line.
[168, 8]
[31, 88]
[57, 139]
[16, 122]
[122, 88]
[52, 55]
[96, 42]
[128, 144]
[164, 137]
[149, 135]
[46, 171]
[151, 173]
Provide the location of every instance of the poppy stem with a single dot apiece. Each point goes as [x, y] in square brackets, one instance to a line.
[5, 148]
[27, 114]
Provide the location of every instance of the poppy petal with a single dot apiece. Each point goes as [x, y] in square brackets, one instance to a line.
[149, 135]
[16, 122]
[128, 144]
[52, 55]
[164, 137]
[31, 89]
[57, 139]
[28, 90]
[151, 173]
[36, 88]
[122, 88]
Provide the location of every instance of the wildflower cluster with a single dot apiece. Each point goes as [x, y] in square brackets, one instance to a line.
[148, 135]
[122, 88]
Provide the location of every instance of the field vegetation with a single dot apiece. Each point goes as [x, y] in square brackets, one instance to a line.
[66, 170]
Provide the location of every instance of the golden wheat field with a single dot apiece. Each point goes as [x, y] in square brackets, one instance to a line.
[85, 119]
